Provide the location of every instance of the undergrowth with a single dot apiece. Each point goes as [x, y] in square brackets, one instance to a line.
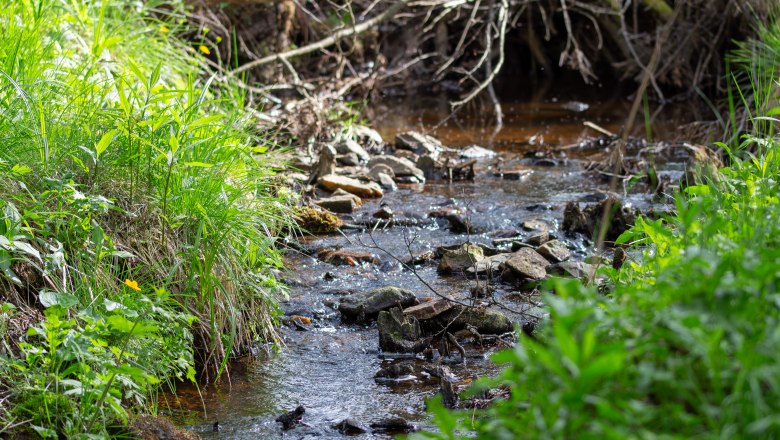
[139, 213]
[687, 342]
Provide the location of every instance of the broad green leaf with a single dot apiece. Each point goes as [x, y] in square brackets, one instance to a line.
[104, 142]
[64, 300]
[173, 142]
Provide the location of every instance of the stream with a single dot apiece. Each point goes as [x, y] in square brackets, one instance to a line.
[330, 367]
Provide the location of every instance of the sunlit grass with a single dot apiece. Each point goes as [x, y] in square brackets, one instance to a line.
[125, 164]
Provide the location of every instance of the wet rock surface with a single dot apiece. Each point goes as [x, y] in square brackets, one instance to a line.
[399, 333]
[555, 251]
[526, 264]
[419, 143]
[401, 167]
[350, 427]
[344, 204]
[587, 220]
[332, 182]
[485, 321]
[362, 356]
[363, 306]
[429, 309]
[460, 258]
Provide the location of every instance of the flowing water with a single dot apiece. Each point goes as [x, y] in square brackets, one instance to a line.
[330, 368]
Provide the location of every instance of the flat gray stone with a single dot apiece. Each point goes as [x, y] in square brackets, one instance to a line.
[574, 269]
[430, 309]
[401, 167]
[419, 143]
[351, 147]
[489, 264]
[555, 251]
[343, 204]
[527, 264]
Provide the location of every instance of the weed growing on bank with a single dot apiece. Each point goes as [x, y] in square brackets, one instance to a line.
[686, 344]
[139, 214]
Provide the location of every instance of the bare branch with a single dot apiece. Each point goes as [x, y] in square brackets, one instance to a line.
[325, 42]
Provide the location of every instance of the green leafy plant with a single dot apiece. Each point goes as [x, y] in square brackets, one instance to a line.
[124, 158]
[686, 343]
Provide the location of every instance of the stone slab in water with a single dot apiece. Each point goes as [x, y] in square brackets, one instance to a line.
[430, 309]
[332, 182]
[555, 251]
[526, 263]
[366, 305]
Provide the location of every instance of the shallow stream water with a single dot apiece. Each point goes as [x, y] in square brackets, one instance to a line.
[330, 368]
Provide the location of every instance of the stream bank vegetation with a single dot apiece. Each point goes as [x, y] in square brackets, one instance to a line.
[685, 342]
[139, 215]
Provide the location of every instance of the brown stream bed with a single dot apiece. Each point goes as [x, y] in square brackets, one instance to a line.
[330, 368]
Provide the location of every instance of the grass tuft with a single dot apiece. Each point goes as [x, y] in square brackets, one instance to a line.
[122, 159]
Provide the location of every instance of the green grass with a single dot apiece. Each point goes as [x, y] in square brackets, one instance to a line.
[121, 158]
[686, 344]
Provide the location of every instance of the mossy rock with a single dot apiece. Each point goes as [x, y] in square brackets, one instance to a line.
[318, 221]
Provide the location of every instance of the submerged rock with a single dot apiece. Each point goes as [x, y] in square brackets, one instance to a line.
[555, 251]
[393, 425]
[350, 427]
[514, 174]
[459, 224]
[332, 182]
[344, 257]
[151, 427]
[526, 264]
[461, 258]
[399, 333]
[396, 370]
[290, 419]
[366, 305]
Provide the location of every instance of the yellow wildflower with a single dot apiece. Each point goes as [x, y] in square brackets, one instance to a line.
[164, 29]
[204, 49]
[133, 285]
